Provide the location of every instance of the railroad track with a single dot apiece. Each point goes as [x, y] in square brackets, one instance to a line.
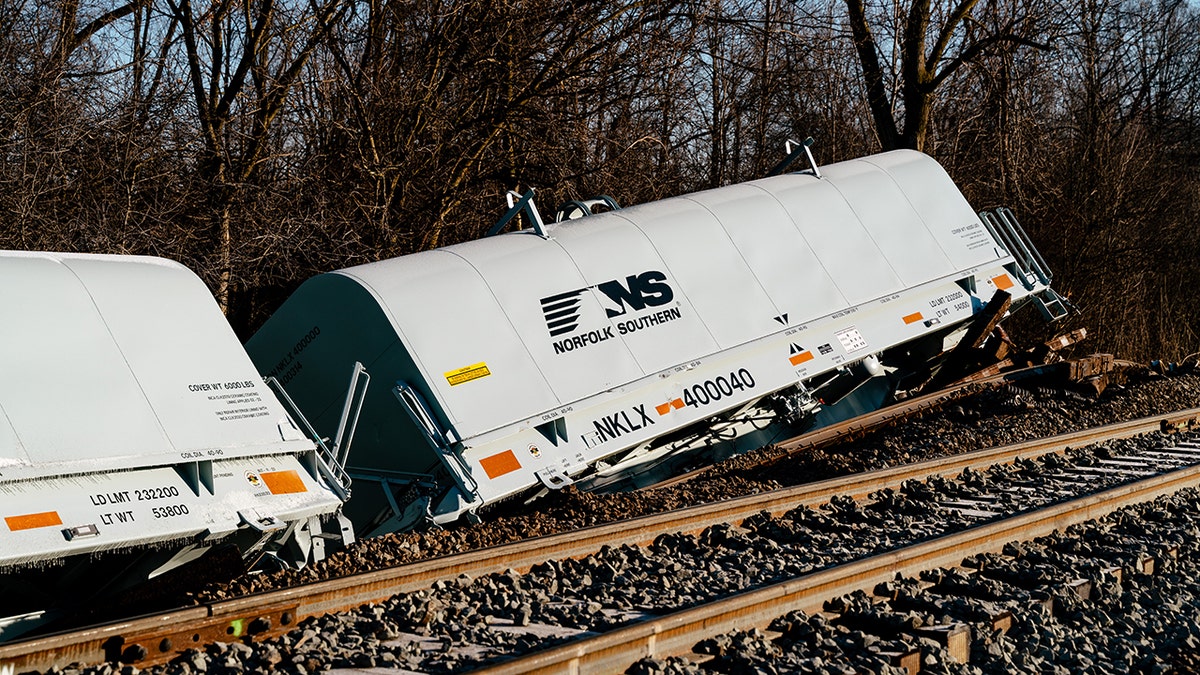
[158, 638]
[679, 632]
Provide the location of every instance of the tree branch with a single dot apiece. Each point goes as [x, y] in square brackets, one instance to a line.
[83, 34]
[956, 17]
[978, 48]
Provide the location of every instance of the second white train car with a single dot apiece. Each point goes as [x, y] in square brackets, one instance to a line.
[136, 436]
[588, 351]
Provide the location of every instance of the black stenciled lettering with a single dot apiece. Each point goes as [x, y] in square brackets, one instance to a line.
[613, 421]
[646, 420]
[604, 429]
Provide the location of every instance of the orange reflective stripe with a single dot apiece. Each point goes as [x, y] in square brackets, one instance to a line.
[1002, 282]
[499, 464]
[33, 520]
[283, 482]
[913, 318]
[666, 407]
[797, 359]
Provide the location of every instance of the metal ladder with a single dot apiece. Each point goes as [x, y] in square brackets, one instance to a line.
[331, 460]
[439, 439]
[1030, 266]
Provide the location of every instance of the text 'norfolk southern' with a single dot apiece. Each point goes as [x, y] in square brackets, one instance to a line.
[635, 294]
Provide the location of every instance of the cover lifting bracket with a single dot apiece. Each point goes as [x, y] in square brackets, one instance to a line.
[516, 204]
[793, 150]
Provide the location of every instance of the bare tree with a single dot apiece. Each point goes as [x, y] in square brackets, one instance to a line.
[260, 142]
[442, 103]
[242, 63]
[932, 43]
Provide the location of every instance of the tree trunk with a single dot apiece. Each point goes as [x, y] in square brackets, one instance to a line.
[872, 70]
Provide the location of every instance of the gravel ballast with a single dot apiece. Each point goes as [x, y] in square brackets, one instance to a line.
[466, 622]
[986, 420]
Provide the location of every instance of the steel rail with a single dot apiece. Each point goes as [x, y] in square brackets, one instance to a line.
[677, 633]
[158, 638]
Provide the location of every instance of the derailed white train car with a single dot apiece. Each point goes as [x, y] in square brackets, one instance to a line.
[601, 346]
[132, 419]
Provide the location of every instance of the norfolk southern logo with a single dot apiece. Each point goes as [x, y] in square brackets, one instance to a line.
[635, 293]
[562, 312]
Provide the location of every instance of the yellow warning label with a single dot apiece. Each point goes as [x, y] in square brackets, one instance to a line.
[467, 374]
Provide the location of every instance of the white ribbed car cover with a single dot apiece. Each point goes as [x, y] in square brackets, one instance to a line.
[736, 257]
[117, 361]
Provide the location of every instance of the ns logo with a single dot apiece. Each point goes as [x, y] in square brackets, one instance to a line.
[635, 293]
